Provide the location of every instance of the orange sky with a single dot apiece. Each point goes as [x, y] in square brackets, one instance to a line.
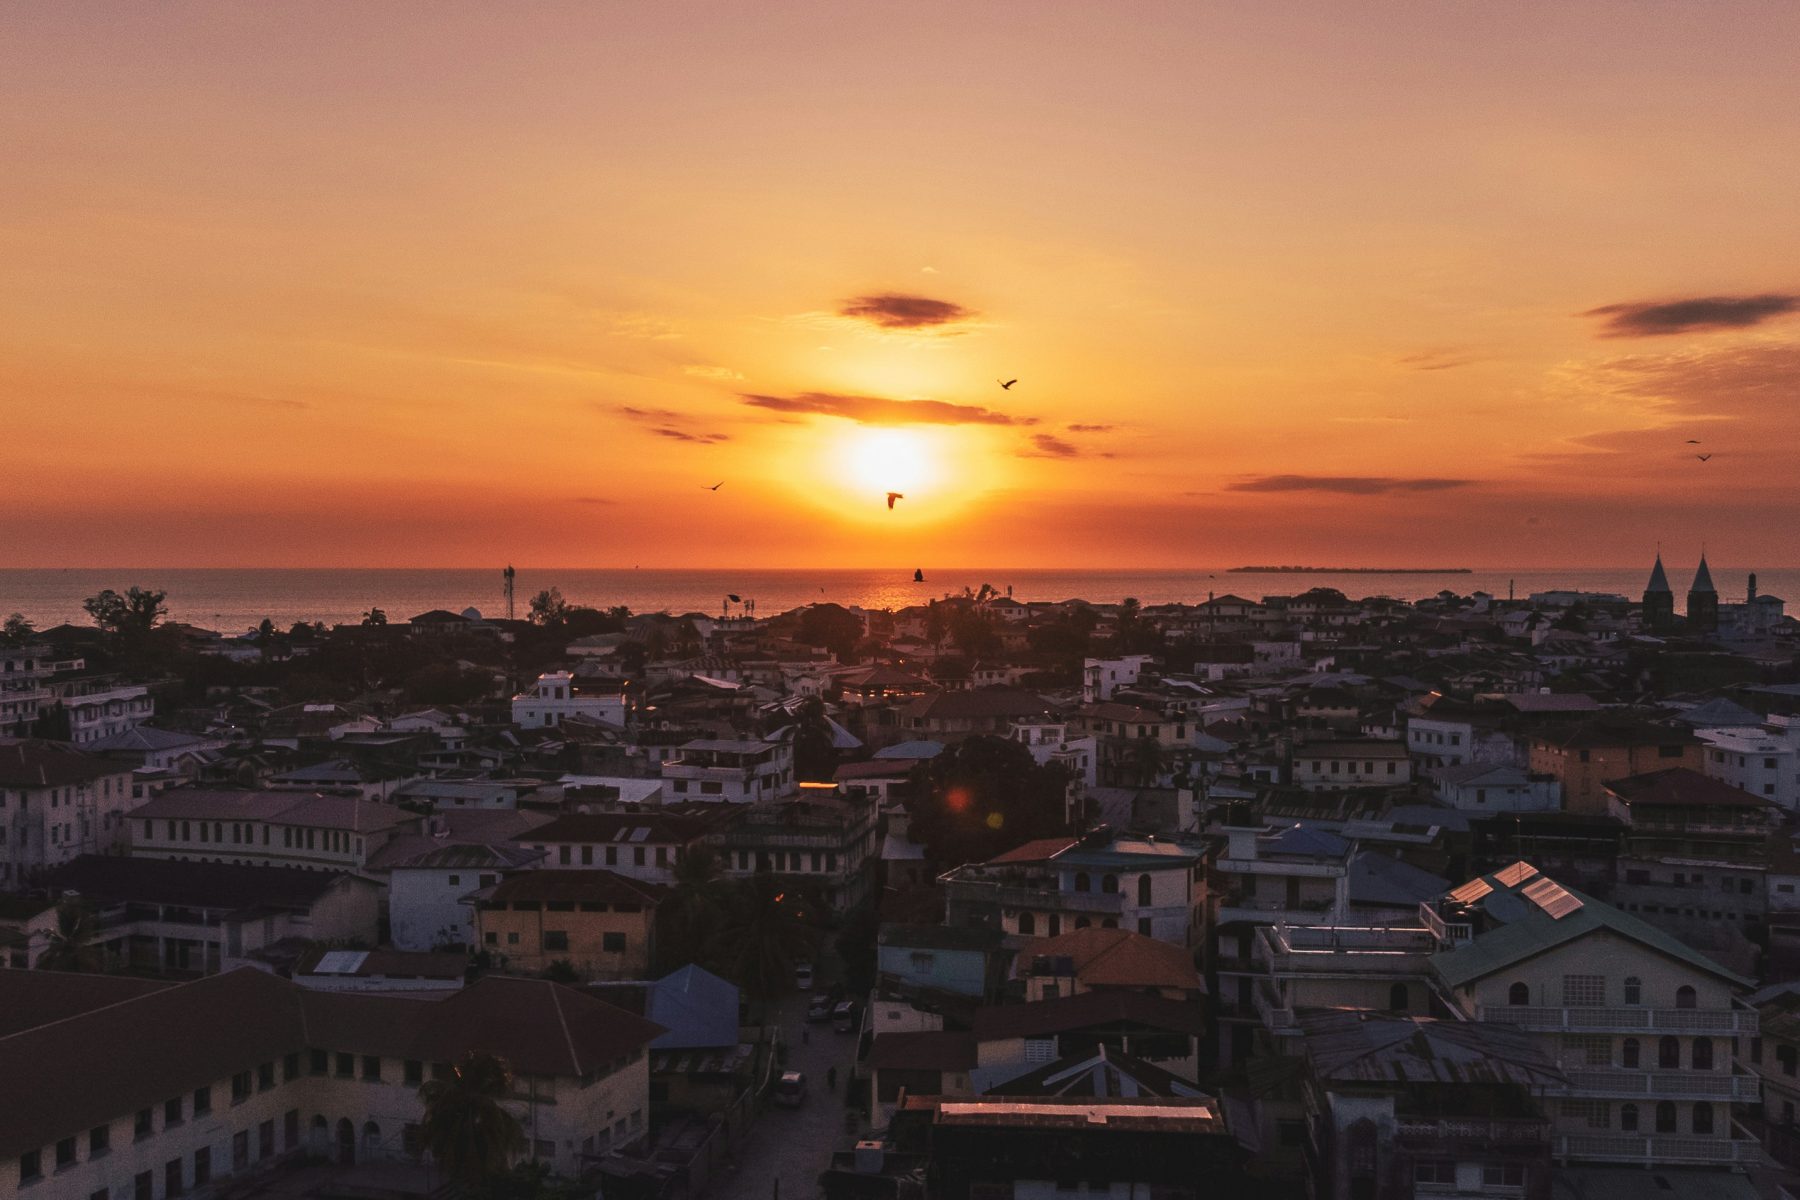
[460, 284]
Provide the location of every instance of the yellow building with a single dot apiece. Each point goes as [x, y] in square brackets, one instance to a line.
[601, 923]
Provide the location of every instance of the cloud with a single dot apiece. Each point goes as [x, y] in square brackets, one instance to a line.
[723, 373]
[1344, 485]
[895, 310]
[1436, 360]
[1696, 314]
[1044, 445]
[662, 415]
[1091, 428]
[683, 435]
[875, 410]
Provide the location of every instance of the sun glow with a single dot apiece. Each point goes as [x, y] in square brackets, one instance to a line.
[890, 460]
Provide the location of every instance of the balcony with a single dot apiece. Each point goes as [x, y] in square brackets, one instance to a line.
[1601, 1019]
[1481, 1130]
[1663, 1085]
[1272, 1008]
[1655, 1150]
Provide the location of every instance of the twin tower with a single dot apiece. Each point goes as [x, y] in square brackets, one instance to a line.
[1702, 600]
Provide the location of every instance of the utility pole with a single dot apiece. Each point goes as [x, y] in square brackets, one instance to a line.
[507, 575]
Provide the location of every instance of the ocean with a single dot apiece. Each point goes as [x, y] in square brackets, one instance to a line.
[231, 600]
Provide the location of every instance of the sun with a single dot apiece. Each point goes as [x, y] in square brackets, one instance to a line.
[889, 460]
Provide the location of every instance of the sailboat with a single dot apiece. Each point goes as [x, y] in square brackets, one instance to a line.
[918, 575]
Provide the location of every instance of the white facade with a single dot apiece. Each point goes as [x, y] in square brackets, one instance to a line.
[1101, 677]
[1764, 762]
[733, 772]
[105, 711]
[46, 825]
[1480, 789]
[1049, 742]
[555, 698]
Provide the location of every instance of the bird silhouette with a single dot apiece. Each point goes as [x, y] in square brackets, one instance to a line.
[1693, 441]
[1006, 384]
[893, 496]
[1702, 457]
[715, 487]
[732, 596]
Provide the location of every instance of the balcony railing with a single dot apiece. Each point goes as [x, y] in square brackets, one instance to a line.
[1653, 1149]
[1663, 1085]
[1486, 1130]
[1601, 1019]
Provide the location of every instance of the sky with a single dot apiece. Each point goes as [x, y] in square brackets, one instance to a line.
[1429, 283]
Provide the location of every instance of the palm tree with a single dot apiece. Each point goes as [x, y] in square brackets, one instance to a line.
[693, 908]
[764, 935]
[71, 945]
[465, 1126]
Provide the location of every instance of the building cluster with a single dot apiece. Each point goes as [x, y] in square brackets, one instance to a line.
[1324, 897]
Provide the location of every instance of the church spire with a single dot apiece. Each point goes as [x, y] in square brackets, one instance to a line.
[1659, 582]
[1702, 578]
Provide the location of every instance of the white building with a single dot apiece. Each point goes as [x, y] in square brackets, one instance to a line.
[1049, 742]
[56, 804]
[1321, 766]
[731, 771]
[1763, 761]
[1101, 677]
[97, 712]
[556, 697]
[23, 670]
[428, 897]
[1489, 787]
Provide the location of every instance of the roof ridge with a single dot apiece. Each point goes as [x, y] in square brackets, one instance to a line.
[563, 1021]
[88, 1012]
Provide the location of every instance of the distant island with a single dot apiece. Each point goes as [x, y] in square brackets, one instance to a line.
[1349, 571]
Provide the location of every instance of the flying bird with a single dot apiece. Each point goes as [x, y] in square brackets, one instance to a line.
[893, 496]
[1693, 441]
[732, 596]
[1702, 457]
[715, 487]
[1006, 384]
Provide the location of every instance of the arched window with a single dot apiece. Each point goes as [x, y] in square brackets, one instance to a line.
[1668, 1053]
[1630, 1053]
[1665, 1116]
[1397, 997]
[1634, 990]
[1701, 1057]
[1143, 891]
[1081, 881]
[1628, 1118]
[1685, 997]
[1110, 885]
[1519, 993]
[1703, 1117]
[1055, 924]
[1027, 924]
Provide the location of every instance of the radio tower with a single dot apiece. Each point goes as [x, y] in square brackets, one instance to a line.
[507, 575]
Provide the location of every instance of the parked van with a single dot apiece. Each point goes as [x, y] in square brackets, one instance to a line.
[790, 1089]
[846, 1016]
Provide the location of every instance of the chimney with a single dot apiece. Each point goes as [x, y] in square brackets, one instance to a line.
[1751, 597]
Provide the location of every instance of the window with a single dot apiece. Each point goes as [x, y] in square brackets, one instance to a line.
[240, 1149]
[612, 857]
[65, 1153]
[1665, 1116]
[321, 1062]
[1143, 889]
[637, 854]
[1703, 1118]
[1027, 924]
[265, 1139]
[1701, 1054]
[612, 943]
[1583, 991]
[1788, 1057]
[1685, 997]
[1668, 1053]
[1397, 998]
[1634, 990]
[415, 1071]
[1588, 1050]
[144, 1125]
[1630, 1053]
[1628, 1117]
[587, 856]
[1519, 994]
[172, 1170]
[1109, 884]
[1593, 1112]
[240, 1087]
[99, 1140]
[556, 939]
[265, 1077]
[290, 1129]
[346, 1066]
[290, 1068]
[1040, 1050]
[202, 1101]
[143, 1186]
[171, 1112]
[1508, 1174]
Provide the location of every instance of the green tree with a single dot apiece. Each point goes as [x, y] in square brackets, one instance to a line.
[1130, 624]
[374, 616]
[71, 945]
[16, 628]
[983, 796]
[973, 632]
[1148, 760]
[765, 933]
[466, 1125]
[131, 615]
[548, 607]
[693, 909]
[560, 970]
[815, 752]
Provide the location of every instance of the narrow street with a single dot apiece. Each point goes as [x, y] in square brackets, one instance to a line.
[790, 1146]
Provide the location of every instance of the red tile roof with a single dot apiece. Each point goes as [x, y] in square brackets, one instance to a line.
[1115, 958]
[1036, 851]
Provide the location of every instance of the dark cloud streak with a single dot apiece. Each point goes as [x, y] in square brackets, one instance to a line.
[1345, 485]
[893, 310]
[876, 410]
[1697, 314]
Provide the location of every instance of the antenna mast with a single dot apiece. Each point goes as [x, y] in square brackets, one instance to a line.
[507, 575]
